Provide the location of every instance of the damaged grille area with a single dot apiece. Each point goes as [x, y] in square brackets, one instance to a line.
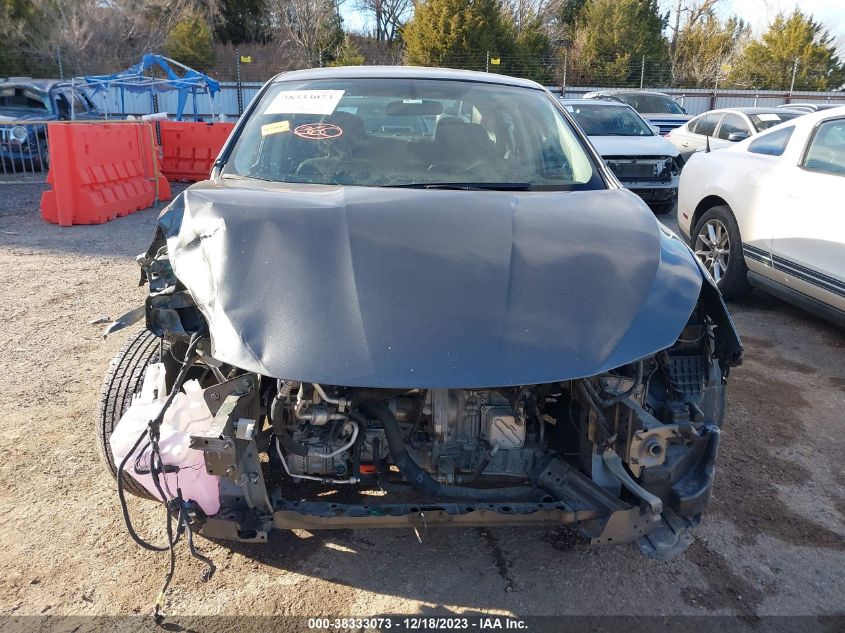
[687, 374]
[642, 168]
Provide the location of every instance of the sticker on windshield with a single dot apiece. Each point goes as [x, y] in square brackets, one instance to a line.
[318, 131]
[305, 102]
[275, 128]
[768, 116]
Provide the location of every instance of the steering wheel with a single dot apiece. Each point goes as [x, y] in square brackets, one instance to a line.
[310, 170]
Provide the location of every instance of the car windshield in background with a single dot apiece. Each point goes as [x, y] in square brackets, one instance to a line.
[411, 133]
[651, 103]
[608, 120]
[766, 120]
[19, 99]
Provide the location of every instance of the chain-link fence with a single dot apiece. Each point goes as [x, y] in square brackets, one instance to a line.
[259, 62]
[243, 69]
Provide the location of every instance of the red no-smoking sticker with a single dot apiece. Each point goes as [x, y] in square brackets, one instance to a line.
[318, 131]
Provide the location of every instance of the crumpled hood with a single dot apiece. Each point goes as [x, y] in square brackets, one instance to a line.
[387, 287]
[633, 146]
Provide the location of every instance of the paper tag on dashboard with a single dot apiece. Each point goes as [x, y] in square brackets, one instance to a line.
[305, 102]
[275, 128]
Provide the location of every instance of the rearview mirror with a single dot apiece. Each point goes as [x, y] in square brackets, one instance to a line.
[734, 137]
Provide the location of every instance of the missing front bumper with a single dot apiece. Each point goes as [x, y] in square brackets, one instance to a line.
[582, 504]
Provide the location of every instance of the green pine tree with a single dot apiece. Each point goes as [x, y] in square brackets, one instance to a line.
[792, 43]
[613, 36]
[458, 33]
[189, 42]
[347, 54]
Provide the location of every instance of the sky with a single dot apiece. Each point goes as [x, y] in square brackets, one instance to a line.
[758, 13]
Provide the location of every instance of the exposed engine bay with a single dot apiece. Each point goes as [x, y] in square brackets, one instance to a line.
[624, 455]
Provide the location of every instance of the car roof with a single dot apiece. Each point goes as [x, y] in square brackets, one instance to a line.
[44, 85]
[753, 110]
[821, 106]
[613, 93]
[404, 72]
[594, 102]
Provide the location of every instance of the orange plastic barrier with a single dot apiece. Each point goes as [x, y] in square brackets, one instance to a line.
[100, 171]
[190, 148]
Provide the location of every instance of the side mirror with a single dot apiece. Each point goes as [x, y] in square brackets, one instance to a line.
[735, 137]
[654, 129]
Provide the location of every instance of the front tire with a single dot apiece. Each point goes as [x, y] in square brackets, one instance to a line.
[718, 244]
[123, 379]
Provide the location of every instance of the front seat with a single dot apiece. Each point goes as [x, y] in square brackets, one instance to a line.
[458, 143]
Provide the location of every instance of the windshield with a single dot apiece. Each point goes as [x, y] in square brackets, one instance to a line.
[20, 99]
[411, 132]
[766, 120]
[652, 104]
[608, 120]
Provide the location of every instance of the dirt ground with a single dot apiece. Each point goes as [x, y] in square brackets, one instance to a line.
[773, 542]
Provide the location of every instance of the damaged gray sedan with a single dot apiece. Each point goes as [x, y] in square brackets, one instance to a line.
[422, 291]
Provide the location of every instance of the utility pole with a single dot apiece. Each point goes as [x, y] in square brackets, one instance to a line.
[487, 63]
[565, 66]
[716, 87]
[794, 72]
[238, 82]
[59, 62]
[642, 73]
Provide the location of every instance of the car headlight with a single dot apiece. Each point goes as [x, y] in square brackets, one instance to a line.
[19, 134]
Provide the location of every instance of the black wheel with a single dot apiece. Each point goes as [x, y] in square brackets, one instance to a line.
[717, 243]
[123, 379]
[662, 208]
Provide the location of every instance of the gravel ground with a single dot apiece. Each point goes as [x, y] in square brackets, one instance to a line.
[773, 542]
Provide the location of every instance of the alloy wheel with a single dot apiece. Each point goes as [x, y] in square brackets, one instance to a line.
[713, 247]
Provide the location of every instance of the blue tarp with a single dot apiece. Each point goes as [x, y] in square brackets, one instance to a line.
[133, 79]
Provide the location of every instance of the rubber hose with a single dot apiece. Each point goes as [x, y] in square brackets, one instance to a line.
[424, 482]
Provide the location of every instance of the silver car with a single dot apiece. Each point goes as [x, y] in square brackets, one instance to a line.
[657, 108]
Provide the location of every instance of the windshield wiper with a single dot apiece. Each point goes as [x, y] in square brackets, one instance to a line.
[467, 186]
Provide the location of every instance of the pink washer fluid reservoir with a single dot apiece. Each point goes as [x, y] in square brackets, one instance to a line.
[187, 414]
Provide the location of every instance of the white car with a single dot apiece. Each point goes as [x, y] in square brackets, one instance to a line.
[727, 126]
[768, 212]
[642, 160]
[810, 107]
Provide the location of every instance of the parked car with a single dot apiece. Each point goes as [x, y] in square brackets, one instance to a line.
[810, 107]
[424, 282]
[767, 213]
[642, 160]
[726, 126]
[657, 108]
[23, 99]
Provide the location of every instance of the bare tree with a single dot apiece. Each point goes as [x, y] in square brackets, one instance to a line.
[687, 14]
[307, 24]
[389, 16]
[105, 35]
[700, 44]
